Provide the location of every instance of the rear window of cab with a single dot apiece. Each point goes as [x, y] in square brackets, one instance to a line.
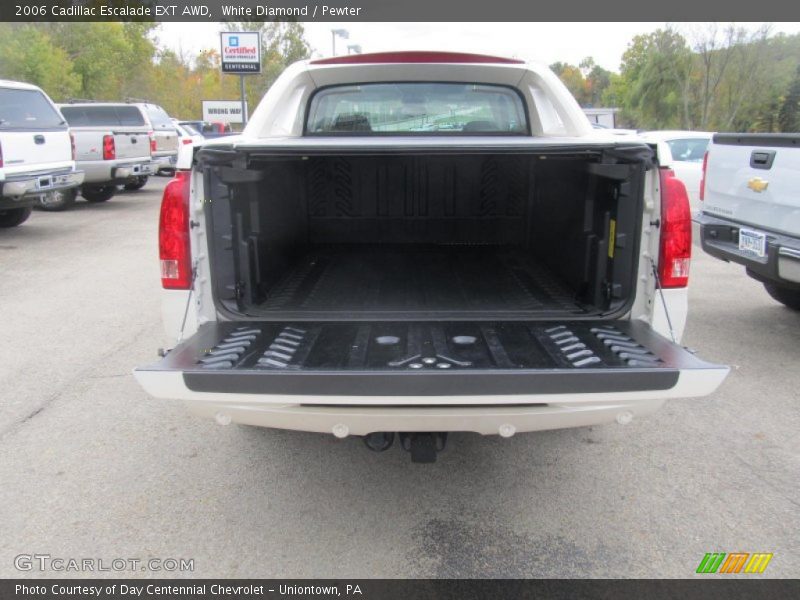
[28, 110]
[416, 108]
[104, 116]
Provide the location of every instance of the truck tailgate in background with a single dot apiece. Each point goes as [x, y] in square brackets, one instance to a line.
[753, 179]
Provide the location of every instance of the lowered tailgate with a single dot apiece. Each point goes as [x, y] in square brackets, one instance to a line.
[361, 363]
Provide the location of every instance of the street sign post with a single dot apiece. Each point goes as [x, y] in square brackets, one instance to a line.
[240, 53]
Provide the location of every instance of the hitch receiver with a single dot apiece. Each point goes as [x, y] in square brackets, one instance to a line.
[424, 446]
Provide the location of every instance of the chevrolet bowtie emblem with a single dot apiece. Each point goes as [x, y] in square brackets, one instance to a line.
[757, 184]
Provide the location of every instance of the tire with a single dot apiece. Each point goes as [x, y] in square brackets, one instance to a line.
[787, 297]
[14, 216]
[99, 194]
[58, 200]
[136, 183]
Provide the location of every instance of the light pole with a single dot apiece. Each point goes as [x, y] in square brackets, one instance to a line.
[342, 33]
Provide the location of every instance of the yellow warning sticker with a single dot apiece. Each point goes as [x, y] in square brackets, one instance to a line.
[612, 237]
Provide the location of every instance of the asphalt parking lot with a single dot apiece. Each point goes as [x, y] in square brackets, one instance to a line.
[93, 467]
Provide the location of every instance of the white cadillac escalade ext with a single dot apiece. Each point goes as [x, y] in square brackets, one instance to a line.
[420, 243]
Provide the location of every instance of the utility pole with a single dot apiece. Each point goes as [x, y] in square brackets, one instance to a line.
[244, 100]
[342, 33]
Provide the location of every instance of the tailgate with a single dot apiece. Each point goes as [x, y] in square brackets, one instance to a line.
[132, 144]
[166, 141]
[460, 363]
[752, 179]
[25, 151]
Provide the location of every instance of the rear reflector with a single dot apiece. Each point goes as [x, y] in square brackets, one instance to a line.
[109, 149]
[415, 57]
[676, 232]
[173, 234]
[703, 177]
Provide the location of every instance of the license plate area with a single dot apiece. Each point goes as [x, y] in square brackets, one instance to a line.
[753, 243]
[44, 183]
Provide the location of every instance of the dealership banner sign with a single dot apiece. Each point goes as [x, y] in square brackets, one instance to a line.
[240, 52]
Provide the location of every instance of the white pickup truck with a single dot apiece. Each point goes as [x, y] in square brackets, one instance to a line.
[751, 208]
[37, 152]
[420, 243]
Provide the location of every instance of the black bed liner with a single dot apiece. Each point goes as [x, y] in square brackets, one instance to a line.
[462, 280]
[427, 359]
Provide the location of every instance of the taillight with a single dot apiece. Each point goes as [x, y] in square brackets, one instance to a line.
[72, 146]
[676, 232]
[109, 150]
[173, 234]
[152, 143]
[186, 141]
[703, 177]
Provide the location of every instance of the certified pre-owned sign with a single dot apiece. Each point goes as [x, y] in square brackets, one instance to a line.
[241, 52]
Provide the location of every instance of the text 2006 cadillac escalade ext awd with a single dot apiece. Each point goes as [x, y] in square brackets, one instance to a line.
[420, 243]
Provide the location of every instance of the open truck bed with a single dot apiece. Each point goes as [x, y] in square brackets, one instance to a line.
[396, 279]
[426, 232]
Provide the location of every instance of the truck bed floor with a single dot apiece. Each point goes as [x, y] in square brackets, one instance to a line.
[420, 279]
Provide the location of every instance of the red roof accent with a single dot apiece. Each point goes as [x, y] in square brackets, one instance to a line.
[415, 57]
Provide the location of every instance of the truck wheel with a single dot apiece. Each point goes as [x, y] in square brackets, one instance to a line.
[58, 200]
[14, 216]
[136, 183]
[787, 297]
[98, 194]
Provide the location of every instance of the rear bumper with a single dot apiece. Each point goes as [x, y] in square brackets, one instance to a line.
[165, 162]
[486, 420]
[24, 190]
[360, 415]
[115, 171]
[720, 239]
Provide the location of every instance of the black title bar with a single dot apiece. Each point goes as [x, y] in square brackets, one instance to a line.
[700, 588]
[395, 10]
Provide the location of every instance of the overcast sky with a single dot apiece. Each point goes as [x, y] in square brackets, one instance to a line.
[542, 42]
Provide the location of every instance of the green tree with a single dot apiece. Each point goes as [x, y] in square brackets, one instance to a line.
[29, 54]
[789, 114]
[656, 68]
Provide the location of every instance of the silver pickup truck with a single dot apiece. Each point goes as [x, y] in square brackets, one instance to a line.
[165, 137]
[113, 145]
